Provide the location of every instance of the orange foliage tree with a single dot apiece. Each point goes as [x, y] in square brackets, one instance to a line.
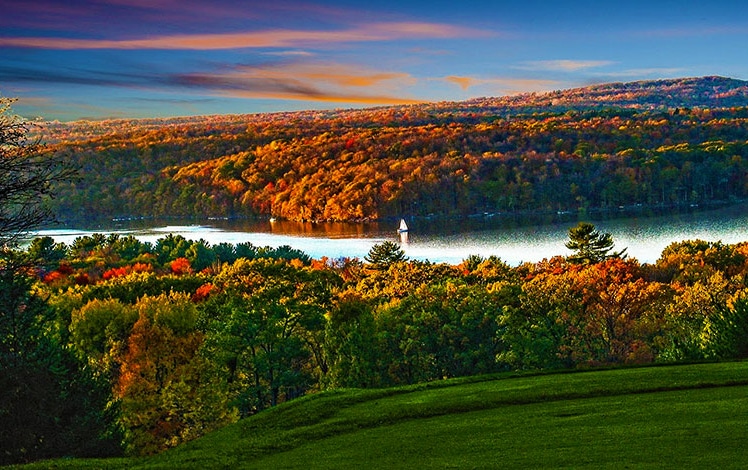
[169, 393]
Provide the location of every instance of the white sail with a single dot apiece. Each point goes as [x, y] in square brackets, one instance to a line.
[403, 226]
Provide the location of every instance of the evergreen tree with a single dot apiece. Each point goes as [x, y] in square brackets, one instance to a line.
[384, 254]
[590, 245]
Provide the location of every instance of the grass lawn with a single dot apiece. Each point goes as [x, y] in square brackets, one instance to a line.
[703, 428]
[687, 416]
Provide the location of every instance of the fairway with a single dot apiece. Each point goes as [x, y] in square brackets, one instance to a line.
[680, 429]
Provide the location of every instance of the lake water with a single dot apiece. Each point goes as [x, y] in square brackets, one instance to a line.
[449, 242]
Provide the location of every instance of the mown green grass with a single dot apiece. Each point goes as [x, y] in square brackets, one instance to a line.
[683, 429]
[689, 416]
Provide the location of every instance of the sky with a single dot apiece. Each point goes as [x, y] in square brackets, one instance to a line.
[100, 59]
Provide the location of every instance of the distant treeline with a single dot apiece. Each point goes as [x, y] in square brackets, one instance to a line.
[369, 164]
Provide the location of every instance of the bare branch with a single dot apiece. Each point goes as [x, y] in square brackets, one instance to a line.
[27, 175]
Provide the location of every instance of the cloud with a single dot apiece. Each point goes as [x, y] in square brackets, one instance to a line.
[309, 82]
[648, 72]
[463, 82]
[323, 81]
[504, 86]
[39, 108]
[562, 65]
[51, 75]
[374, 32]
[34, 101]
[294, 53]
[108, 16]
[693, 31]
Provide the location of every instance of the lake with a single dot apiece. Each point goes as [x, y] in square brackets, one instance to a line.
[443, 241]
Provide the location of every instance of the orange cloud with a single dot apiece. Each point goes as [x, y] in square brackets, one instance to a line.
[322, 97]
[504, 85]
[257, 39]
[463, 82]
[310, 82]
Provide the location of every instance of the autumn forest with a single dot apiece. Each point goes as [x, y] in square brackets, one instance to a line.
[598, 148]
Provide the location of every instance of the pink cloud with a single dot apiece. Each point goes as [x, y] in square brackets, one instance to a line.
[562, 65]
[256, 39]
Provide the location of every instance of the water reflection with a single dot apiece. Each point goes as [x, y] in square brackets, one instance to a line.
[446, 241]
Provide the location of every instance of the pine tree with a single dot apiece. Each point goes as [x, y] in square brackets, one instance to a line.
[590, 245]
[384, 254]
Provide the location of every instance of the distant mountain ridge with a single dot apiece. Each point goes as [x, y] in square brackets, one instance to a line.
[711, 92]
[689, 92]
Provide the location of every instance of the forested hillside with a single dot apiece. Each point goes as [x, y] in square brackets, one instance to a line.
[663, 143]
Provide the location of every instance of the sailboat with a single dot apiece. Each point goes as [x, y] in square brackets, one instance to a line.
[403, 231]
[403, 227]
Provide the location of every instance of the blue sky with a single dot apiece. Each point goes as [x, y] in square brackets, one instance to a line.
[97, 59]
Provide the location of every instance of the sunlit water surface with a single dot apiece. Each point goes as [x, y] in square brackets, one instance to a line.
[644, 237]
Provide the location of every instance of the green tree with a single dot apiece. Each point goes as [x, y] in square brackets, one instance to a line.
[99, 332]
[267, 328]
[350, 344]
[442, 330]
[725, 334]
[46, 253]
[170, 248]
[129, 248]
[688, 313]
[200, 255]
[590, 245]
[384, 254]
[536, 332]
[88, 245]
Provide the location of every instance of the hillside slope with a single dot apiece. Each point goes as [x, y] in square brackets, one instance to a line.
[704, 92]
[684, 416]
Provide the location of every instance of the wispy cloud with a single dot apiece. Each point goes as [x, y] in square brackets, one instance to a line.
[257, 39]
[647, 72]
[503, 85]
[294, 53]
[693, 31]
[562, 65]
[35, 107]
[64, 76]
[463, 82]
[310, 82]
[85, 17]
